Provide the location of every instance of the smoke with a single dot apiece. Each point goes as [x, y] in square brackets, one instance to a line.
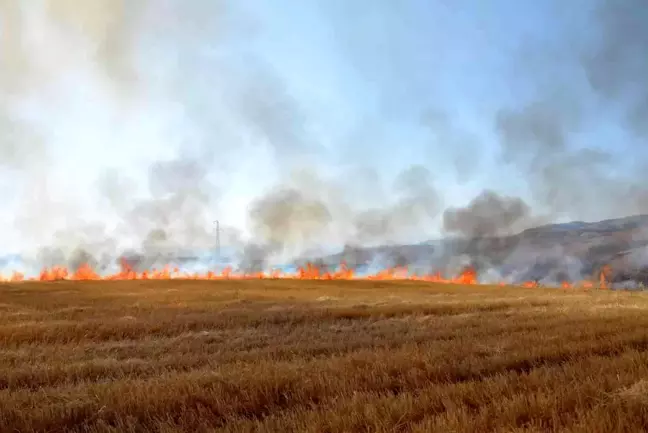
[579, 83]
[483, 231]
[309, 214]
[181, 195]
[617, 69]
[287, 217]
[127, 127]
[462, 144]
[271, 112]
[488, 214]
[105, 31]
[416, 206]
[565, 180]
[95, 95]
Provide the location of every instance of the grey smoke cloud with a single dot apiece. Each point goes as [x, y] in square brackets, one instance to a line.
[542, 136]
[462, 144]
[536, 138]
[134, 60]
[308, 212]
[212, 109]
[489, 214]
[269, 109]
[288, 216]
[617, 68]
[417, 204]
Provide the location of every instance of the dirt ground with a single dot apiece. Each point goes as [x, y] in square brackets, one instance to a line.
[320, 356]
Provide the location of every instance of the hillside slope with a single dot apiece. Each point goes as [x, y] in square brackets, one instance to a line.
[552, 252]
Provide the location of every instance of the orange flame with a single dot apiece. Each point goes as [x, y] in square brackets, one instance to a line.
[468, 276]
[604, 276]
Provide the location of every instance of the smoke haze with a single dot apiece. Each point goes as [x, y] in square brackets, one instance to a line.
[128, 127]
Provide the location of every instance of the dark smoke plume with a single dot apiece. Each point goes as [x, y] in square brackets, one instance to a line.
[487, 215]
[484, 228]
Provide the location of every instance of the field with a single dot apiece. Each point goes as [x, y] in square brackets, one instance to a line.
[320, 356]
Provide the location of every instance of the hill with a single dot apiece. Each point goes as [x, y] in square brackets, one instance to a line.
[552, 252]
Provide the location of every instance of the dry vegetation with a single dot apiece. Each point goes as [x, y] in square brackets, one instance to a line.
[168, 356]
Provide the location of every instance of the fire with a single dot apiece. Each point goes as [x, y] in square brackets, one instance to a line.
[604, 276]
[468, 276]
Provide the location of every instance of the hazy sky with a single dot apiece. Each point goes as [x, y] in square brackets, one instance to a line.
[241, 94]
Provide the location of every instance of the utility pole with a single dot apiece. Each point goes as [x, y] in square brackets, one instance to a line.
[217, 238]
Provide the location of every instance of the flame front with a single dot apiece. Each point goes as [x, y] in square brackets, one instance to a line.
[467, 276]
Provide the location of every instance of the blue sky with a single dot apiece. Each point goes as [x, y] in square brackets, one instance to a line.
[368, 80]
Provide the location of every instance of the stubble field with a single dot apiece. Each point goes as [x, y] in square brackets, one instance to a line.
[320, 356]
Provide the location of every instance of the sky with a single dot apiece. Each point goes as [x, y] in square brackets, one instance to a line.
[121, 118]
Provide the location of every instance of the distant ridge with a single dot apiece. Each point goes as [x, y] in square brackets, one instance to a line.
[624, 223]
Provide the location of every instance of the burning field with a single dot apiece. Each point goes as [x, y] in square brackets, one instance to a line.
[608, 254]
[217, 217]
[310, 356]
[307, 272]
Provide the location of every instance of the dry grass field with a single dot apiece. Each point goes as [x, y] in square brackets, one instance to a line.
[320, 356]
